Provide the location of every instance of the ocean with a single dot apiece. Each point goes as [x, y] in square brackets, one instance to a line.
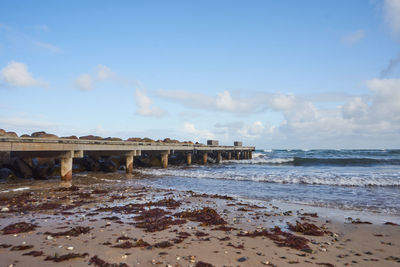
[357, 180]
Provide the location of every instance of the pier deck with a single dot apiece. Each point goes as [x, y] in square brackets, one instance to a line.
[67, 149]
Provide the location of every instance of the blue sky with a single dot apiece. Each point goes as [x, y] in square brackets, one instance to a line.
[275, 74]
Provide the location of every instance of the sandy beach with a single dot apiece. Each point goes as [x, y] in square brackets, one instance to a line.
[102, 222]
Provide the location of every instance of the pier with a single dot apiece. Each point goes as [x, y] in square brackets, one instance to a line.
[67, 149]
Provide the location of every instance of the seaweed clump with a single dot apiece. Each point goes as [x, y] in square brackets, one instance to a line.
[206, 216]
[96, 261]
[57, 258]
[306, 228]
[20, 227]
[282, 239]
[76, 231]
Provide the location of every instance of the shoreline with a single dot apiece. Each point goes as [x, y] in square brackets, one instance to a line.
[68, 207]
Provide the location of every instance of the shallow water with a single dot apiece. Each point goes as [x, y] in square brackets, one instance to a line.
[363, 180]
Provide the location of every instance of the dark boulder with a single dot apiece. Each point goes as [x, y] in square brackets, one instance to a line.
[91, 164]
[6, 173]
[108, 165]
[43, 134]
[91, 137]
[21, 168]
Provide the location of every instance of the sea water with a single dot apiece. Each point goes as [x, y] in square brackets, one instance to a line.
[358, 180]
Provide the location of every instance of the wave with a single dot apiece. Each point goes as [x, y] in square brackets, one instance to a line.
[331, 179]
[259, 158]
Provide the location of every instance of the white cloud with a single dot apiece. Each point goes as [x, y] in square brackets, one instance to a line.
[49, 47]
[104, 73]
[144, 106]
[196, 134]
[84, 82]
[353, 37]
[100, 73]
[392, 14]
[16, 74]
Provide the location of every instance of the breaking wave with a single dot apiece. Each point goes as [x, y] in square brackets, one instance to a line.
[323, 178]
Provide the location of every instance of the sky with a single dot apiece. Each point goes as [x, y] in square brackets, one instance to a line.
[274, 74]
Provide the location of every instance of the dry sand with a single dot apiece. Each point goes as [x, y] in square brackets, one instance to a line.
[54, 208]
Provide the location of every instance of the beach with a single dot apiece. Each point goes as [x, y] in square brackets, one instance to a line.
[102, 219]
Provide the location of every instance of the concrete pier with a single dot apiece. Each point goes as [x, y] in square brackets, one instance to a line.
[219, 157]
[164, 159]
[237, 155]
[66, 168]
[129, 163]
[68, 149]
[205, 158]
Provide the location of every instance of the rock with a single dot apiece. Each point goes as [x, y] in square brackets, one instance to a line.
[134, 139]
[6, 173]
[91, 137]
[155, 162]
[108, 165]
[113, 139]
[43, 134]
[3, 133]
[42, 167]
[242, 259]
[5, 209]
[91, 164]
[22, 169]
[69, 137]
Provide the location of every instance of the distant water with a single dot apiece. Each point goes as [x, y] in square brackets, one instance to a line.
[346, 179]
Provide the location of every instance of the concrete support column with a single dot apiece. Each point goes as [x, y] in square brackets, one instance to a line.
[246, 154]
[189, 158]
[164, 160]
[219, 157]
[237, 155]
[250, 154]
[66, 168]
[229, 155]
[204, 158]
[129, 163]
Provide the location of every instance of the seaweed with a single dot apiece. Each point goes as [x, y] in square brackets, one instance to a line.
[128, 244]
[34, 253]
[306, 228]
[57, 258]
[203, 264]
[20, 227]
[224, 228]
[158, 224]
[21, 247]
[96, 261]
[76, 231]
[163, 244]
[206, 216]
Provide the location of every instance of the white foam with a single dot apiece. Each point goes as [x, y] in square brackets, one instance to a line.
[15, 189]
[321, 178]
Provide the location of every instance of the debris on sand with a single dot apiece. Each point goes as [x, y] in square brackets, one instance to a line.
[57, 258]
[127, 244]
[5, 245]
[306, 228]
[76, 231]
[391, 223]
[20, 227]
[224, 228]
[34, 253]
[282, 239]
[203, 264]
[163, 244]
[96, 261]
[206, 216]
[151, 214]
[22, 247]
[158, 224]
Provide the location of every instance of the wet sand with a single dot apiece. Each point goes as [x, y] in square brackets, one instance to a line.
[107, 222]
